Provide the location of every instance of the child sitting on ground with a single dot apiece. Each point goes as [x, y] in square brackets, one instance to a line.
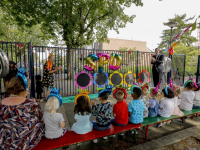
[166, 106]
[39, 85]
[145, 98]
[196, 101]
[177, 92]
[156, 95]
[187, 96]
[136, 107]
[82, 112]
[54, 122]
[120, 109]
[103, 111]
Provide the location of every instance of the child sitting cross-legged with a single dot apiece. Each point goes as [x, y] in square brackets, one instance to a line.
[156, 95]
[103, 111]
[196, 101]
[120, 109]
[54, 122]
[187, 96]
[136, 107]
[82, 112]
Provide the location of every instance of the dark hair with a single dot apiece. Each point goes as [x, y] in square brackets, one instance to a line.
[198, 87]
[38, 77]
[137, 91]
[171, 93]
[104, 95]
[82, 106]
[190, 85]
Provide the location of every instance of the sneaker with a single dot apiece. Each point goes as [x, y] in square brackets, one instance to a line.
[95, 141]
[133, 132]
[161, 124]
[168, 122]
[105, 137]
[113, 135]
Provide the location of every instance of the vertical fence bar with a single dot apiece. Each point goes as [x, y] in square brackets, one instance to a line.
[32, 94]
[198, 65]
[137, 65]
[184, 69]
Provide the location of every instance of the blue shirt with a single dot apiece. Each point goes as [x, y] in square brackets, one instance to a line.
[103, 113]
[136, 107]
[153, 109]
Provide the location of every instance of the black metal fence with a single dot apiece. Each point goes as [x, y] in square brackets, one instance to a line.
[134, 61]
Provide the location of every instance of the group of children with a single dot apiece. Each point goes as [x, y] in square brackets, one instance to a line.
[163, 103]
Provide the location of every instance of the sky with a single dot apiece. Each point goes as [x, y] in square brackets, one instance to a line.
[148, 24]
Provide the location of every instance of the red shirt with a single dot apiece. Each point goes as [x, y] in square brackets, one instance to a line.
[121, 111]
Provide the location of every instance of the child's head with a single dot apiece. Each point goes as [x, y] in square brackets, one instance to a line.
[52, 104]
[189, 85]
[38, 77]
[144, 91]
[158, 95]
[82, 106]
[168, 92]
[119, 95]
[103, 95]
[177, 90]
[136, 93]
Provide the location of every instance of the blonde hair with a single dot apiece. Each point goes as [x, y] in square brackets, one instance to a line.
[158, 95]
[52, 104]
[119, 95]
[177, 90]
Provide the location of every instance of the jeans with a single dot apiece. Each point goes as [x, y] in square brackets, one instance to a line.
[117, 124]
[195, 107]
[99, 128]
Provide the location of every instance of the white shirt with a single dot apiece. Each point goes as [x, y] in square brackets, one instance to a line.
[186, 100]
[167, 105]
[176, 101]
[196, 101]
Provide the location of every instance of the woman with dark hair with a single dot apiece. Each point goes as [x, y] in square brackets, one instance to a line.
[19, 116]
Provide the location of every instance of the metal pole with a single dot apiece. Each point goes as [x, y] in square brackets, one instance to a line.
[170, 56]
[184, 69]
[197, 76]
[31, 63]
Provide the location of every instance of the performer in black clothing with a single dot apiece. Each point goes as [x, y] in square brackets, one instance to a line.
[39, 86]
[157, 69]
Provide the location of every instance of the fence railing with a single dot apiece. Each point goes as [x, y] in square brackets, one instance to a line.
[73, 61]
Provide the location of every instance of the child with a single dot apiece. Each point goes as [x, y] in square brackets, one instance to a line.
[177, 92]
[103, 111]
[145, 99]
[196, 101]
[82, 112]
[187, 96]
[54, 122]
[136, 107]
[39, 89]
[154, 102]
[167, 104]
[120, 109]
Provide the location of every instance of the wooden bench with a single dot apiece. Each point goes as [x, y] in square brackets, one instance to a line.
[71, 137]
[155, 120]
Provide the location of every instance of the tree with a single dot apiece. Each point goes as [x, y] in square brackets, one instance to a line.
[191, 57]
[183, 23]
[79, 22]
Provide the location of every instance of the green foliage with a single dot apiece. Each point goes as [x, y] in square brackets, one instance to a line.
[79, 22]
[191, 57]
[186, 39]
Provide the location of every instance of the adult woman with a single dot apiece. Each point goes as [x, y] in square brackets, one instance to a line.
[49, 69]
[19, 116]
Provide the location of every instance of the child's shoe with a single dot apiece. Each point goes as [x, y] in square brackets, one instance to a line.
[121, 134]
[113, 135]
[95, 141]
[105, 137]
[161, 124]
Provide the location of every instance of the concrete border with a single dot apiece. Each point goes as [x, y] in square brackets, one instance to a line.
[169, 139]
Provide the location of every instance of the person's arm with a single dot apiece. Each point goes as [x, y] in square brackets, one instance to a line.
[62, 121]
[160, 60]
[129, 109]
[153, 59]
[94, 108]
[114, 111]
[161, 104]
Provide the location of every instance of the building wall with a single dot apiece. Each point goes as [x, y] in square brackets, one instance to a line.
[115, 44]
